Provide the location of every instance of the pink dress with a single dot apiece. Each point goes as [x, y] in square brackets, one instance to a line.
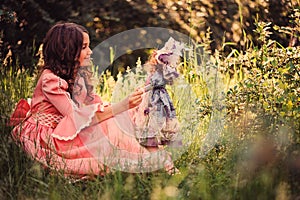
[66, 136]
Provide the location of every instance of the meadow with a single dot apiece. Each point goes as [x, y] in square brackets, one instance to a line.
[239, 115]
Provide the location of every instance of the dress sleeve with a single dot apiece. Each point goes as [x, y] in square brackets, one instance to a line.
[74, 118]
[93, 99]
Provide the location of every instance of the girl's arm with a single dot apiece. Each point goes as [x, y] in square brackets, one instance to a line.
[133, 100]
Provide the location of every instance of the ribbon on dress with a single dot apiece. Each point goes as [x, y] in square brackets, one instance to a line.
[20, 113]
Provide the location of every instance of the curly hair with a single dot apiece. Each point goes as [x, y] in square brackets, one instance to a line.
[61, 50]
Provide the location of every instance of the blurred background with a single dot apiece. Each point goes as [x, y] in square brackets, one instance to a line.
[24, 23]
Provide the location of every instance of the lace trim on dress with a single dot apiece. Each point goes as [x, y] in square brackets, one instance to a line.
[90, 118]
[95, 108]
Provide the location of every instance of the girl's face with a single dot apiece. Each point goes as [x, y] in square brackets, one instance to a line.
[86, 52]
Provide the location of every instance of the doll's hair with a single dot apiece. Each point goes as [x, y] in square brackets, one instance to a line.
[150, 64]
[61, 50]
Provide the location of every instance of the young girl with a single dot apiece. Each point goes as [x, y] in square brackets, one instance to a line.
[68, 127]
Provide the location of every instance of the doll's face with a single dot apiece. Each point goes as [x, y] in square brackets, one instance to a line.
[86, 52]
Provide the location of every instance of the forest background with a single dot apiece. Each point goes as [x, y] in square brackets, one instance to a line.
[24, 23]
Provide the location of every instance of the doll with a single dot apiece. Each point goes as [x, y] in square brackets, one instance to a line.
[156, 119]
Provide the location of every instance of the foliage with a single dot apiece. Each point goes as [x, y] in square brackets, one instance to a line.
[24, 23]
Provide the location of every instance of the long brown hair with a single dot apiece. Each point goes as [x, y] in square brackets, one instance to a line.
[61, 50]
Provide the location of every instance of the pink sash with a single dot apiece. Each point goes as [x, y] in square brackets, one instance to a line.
[20, 113]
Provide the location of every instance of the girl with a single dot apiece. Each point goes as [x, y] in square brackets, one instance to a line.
[68, 127]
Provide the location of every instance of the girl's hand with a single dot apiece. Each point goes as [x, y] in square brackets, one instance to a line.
[135, 98]
[131, 101]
